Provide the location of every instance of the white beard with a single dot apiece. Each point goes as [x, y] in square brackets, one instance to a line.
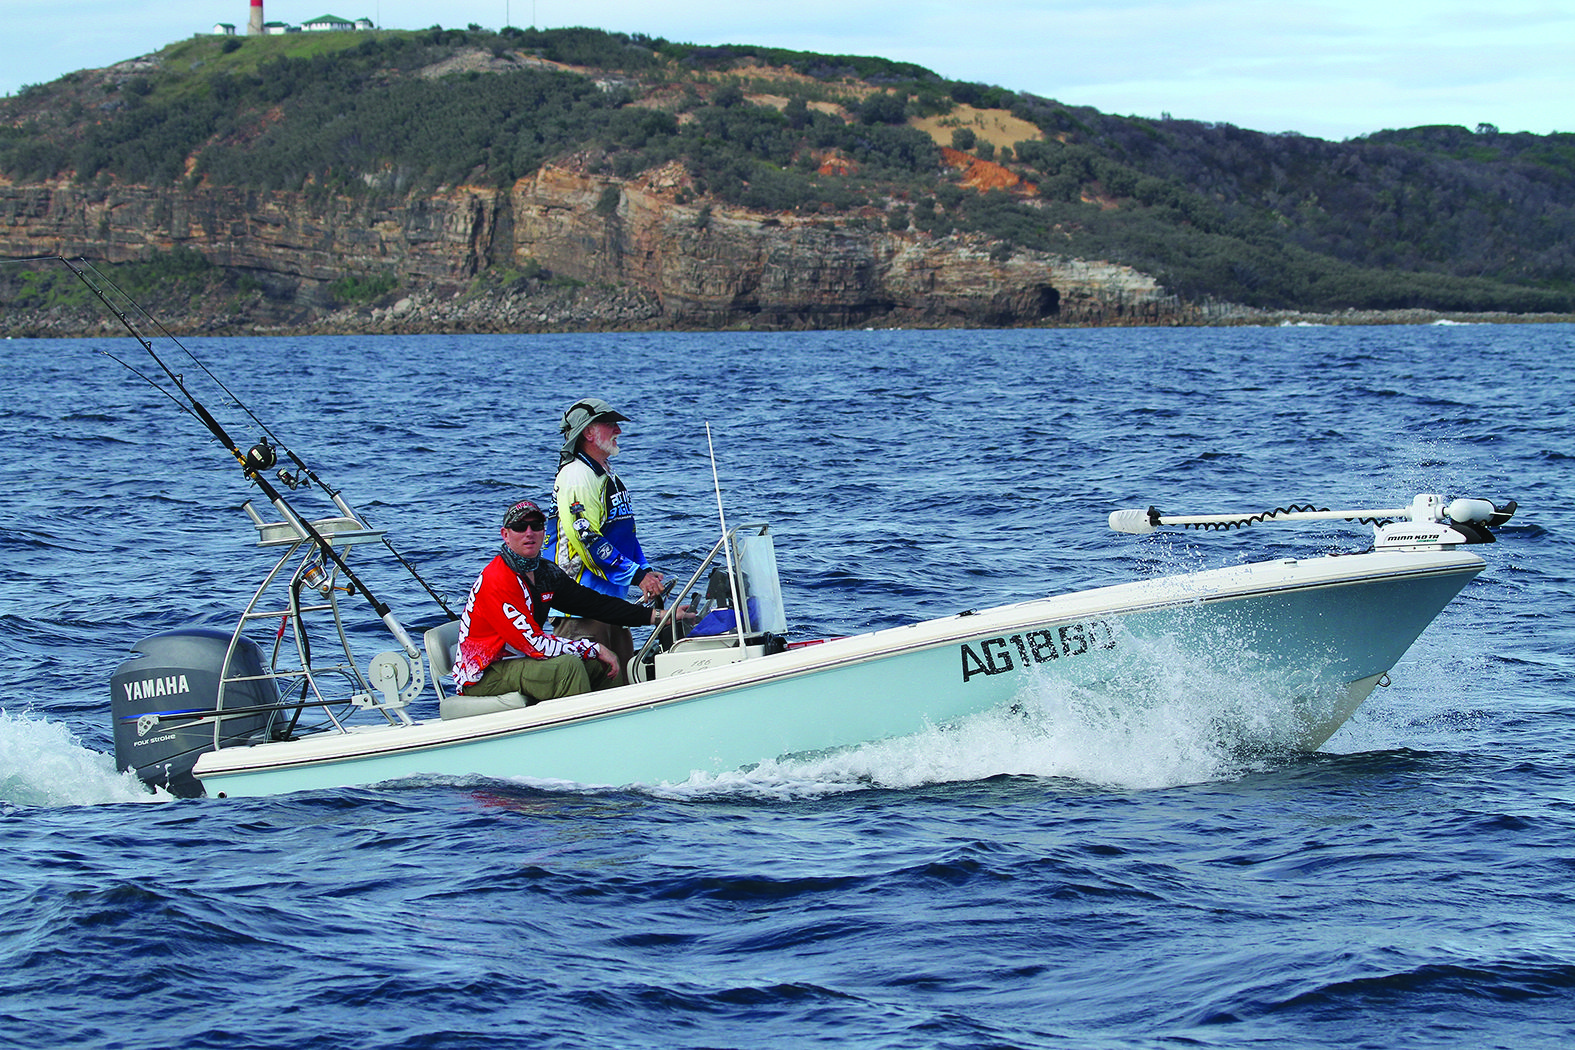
[607, 445]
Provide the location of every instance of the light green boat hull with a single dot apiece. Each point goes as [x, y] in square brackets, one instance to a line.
[1319, 633]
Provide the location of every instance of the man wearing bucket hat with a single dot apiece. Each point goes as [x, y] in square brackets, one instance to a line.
[595, 541]
[504, 644]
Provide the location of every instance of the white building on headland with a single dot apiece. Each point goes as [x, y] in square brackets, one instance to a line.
[331, 23]
[320, 24]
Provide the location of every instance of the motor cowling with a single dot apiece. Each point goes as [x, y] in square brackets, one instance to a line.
[175, 673]
[1434, 523]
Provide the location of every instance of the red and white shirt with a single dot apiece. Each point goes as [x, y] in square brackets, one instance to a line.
[506, 615]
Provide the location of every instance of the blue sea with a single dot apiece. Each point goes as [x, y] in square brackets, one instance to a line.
[1108, 880]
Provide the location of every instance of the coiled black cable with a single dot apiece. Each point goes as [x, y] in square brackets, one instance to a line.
[1253, 519]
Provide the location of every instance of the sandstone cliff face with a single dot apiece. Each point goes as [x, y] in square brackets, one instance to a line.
[713, 265]
[645, 258]
[300, 236]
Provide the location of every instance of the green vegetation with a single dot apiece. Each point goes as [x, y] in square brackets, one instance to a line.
[1440, 217]
[352, 289]
[51, 284]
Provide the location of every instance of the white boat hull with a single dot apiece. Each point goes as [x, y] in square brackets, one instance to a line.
[1319, 632]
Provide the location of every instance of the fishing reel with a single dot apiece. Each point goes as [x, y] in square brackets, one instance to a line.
[261, 457]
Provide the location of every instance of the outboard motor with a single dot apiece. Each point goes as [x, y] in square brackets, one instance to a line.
[179, 672]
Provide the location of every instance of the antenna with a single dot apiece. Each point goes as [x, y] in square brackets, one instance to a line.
[727, 548]
[715, 482]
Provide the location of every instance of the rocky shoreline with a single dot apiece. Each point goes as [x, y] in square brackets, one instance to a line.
[548, 309]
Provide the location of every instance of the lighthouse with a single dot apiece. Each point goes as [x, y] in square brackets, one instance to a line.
[254, 27]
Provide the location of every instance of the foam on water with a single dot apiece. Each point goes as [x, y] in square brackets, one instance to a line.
[42, 763]
[1167, 721]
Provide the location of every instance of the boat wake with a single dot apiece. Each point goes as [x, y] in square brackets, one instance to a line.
[1168, 723]
[43, 764]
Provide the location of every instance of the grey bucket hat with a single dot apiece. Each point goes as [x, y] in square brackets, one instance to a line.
[582, 414]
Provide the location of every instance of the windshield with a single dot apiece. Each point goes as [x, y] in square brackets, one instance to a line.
[755, 558]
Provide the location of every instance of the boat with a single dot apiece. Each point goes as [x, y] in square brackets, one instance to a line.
[289, 700]
[199, 711]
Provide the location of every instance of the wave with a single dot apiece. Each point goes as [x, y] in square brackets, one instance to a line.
[44, 764]
[1157, 729]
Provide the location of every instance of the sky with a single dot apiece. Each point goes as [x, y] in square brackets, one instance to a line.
[1333, 69]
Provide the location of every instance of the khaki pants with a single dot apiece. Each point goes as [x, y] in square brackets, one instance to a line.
[540, 679]
[617, 639]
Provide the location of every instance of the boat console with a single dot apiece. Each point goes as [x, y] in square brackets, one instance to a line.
[736, 615]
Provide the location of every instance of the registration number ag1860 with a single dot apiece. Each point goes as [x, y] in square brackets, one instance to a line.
[1001, 655]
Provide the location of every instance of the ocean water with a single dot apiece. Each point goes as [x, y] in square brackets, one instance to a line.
[1087, 877]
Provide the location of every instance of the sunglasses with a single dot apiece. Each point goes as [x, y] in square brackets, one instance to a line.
[530, 525]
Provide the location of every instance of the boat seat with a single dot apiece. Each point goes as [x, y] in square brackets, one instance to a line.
[442, 644]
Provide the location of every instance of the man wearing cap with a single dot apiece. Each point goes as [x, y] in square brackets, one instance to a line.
[596, 543]
[504, 645]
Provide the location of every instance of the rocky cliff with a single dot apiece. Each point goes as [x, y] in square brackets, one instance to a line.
[563, 249]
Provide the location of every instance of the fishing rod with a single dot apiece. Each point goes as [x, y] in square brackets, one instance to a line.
[259, 458]
[270, 439]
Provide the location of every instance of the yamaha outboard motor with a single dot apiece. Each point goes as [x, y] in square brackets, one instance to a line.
[175, 673]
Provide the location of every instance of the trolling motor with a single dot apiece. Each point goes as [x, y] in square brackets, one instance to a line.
[1433, 523]
[1428, 522]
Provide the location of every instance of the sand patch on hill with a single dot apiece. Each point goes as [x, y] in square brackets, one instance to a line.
[476, 60]
[779, 102]
[762, 76]
[996, 126]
